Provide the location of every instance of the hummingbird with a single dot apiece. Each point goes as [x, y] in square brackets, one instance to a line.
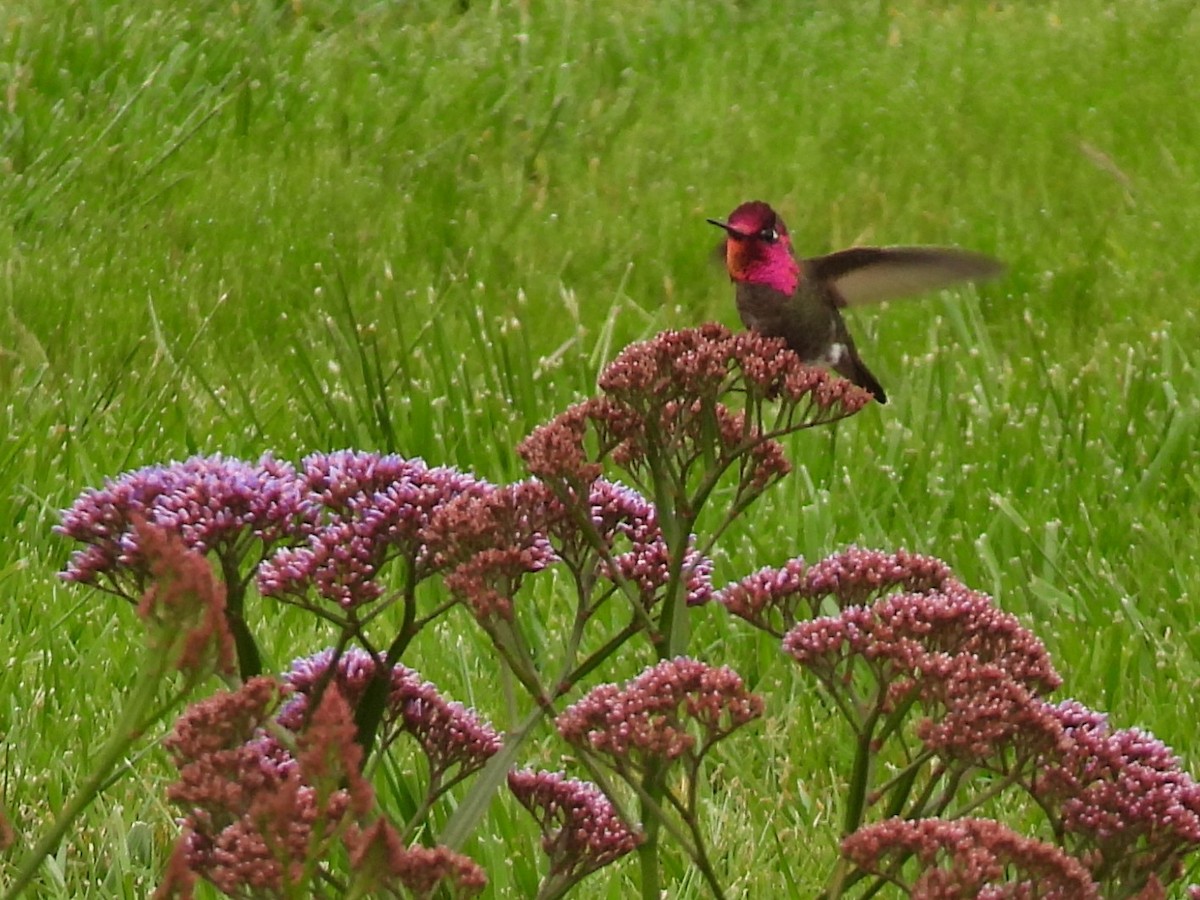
[800, 300]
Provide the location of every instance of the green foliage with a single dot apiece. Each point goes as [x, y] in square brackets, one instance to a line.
[423, 227]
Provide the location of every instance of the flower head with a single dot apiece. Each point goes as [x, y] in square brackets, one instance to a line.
[1121, 795]
[906, 639]
[376, 509]
[980, 713]
[581, 830]
[488, 542]
[449, 734]
[968, 858]
[256, 815]
[775, 599]
[214, 504]
[679, 707]
[664, 408]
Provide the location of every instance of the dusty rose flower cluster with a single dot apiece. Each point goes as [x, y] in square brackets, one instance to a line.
[967, 858]
[489, 541]
[775, 599]
[253, 816]
[1120, 799]
[581, 829]
[268, 795]
[908, 641]
[678, 708]
[1121, 809]
[662, 410]
[184, 606]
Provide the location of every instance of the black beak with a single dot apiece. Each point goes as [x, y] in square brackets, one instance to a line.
[732, 232]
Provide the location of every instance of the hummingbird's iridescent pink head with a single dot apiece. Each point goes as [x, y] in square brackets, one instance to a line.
[758, 249]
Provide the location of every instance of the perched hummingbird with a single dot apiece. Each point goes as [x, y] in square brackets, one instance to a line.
[800, 300]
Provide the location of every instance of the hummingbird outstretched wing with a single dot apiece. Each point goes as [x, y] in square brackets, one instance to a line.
[874, 274]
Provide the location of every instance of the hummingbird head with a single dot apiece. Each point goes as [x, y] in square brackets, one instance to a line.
[758, 249]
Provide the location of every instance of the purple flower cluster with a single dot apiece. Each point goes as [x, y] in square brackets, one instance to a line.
[376, 509]
[449, 734]
[212, 503]
[680, 707]
[968, 858]
[775, 599]
[621, 516]
[581, 830]
[1121, 798]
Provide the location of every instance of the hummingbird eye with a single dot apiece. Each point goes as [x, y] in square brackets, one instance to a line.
[770, 235]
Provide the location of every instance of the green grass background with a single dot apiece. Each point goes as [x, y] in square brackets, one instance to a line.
[424, 227]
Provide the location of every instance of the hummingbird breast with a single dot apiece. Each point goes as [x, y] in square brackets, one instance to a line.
[804, 319]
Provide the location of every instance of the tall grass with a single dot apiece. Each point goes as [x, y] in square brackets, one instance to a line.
[423, 227]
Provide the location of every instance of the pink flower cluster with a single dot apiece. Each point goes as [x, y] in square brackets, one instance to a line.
[979, 713]
[968, 858]
[1121, 798]
[662, 402]
[910, 641]
[449, 734]
[775, 599]
[376, 509]
[488, 542]
[255, 811]
[679, 707]
[581, 830]
[263, 813]
[212, 503]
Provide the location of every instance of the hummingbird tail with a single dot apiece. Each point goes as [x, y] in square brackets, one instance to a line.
[861, 375]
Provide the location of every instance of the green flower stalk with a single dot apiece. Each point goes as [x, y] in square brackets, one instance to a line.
[183, 610]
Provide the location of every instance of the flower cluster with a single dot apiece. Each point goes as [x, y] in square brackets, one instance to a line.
[620, 516]
[1121, 798]
[910, 640]
[968, 858]
[662, 409]
[677, 708]
[581, 830]
[379, 857]
[184, 606]
[214, 504]
[980, 714]
[487, 542]
[262, 811]
[254, 819]
[376, 509]
[450, 735]
[775, 599]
